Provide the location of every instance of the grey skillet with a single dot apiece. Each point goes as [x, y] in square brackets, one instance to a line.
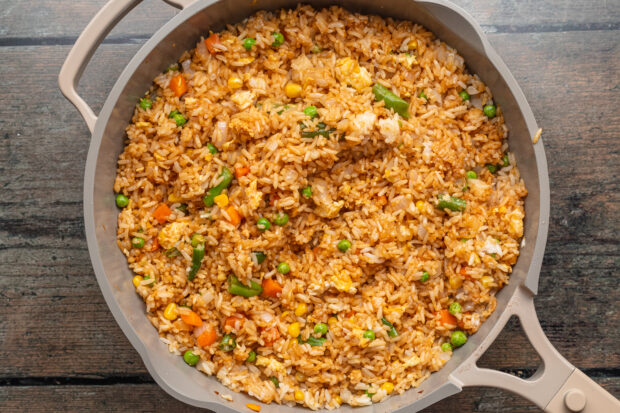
[556, 387]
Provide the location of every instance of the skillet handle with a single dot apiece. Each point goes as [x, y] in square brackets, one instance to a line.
[557, 386]
[85, 47]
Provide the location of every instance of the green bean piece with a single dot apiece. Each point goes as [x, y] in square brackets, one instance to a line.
[179, 119]
[251, 357]
[451, 202]
[369, 394]
[260, 256]
[146, 103]
[369, 334]
[391, 100]
[248, 42]
[198, 253]
[227, 177]
[212, 149]
[172, 252]
[505, 160]
[275, 381]
[197, 239]
[492, 168]
[316, 341]
[235, 287]
[191, 358]
[137, 242]
[321, 131]
[121, 201]
[392, 331]
[278, 39]
[182, 208]
[228, 342]
[423, 95]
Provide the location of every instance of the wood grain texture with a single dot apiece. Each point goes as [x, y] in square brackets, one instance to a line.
[58, 341]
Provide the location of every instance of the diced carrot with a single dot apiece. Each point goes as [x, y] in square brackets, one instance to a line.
[463, 270]
[154, 245]
[178, 85]
[350, 314]
[161, 213]
[233, 323]
[270, 335]
[191, 318]
[253, 406]
[234, 217]
[207, 338]
[446, 318]
[271, 288]
[241, 171]
[273, 199]
[211, 41]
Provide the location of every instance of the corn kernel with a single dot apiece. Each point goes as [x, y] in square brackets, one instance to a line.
[292, 90]
[137, 280]
[208, 157]
[171, 313]
[294, 330]
[234, 83]
[221, 200]
[301, 309]
[487, 281]
[221, 277]
[332, 320]
[337, 399]
[299, 395]
[413, 44]
[388, 387]
[284, 314]
[174, 198]
[421, 206]
[300, 377]
[455, 282]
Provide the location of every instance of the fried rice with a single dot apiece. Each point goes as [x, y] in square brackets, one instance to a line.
[349, 322]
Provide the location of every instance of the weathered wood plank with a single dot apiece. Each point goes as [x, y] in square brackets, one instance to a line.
[61, 21]
[150, 398]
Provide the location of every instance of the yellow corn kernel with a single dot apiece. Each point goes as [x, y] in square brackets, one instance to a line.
[301, 309]
[388, 387]
[455, 282]
[171, 313]
[292, 90]
[174, 198]
[337, 399]
[234, 83]
[208, 157]
[294, 329]
[221, 200]
[332, 320]
[300, 377]
[487, 281]
[299, 395]
[421, 206]
[137, 280]
[413, 44]
[284, 314]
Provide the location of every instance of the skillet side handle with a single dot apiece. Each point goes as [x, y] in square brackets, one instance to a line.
[557, 386]
[85, 46]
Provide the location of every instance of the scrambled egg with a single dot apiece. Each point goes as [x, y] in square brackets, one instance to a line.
[349, 71]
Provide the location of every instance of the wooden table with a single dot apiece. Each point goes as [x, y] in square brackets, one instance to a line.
[60, 349]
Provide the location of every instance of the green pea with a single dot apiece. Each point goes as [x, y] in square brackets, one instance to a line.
[172, 68]
[464, 239]
[321, 328]
[281, 219]
[121, 201]
[423, 95]
[344, 245]
[454, 308]
[315, 49]
[248, 42]
[492, 168]
[505, 160]
[284, 268]
[228, 343]
[458, 338]
[148, 277]
[260, 257]
[197, 239]
[179, 119]
[263, 224]
[275, 381]
[137, 242]
[490, 111]
[425, 277]
[251, 357]
[307, 191]
[445, 347]
[471, 175]
[369, 334]
[464, 95]
[212, 149]
[146, 103]
[278, 39]
[191, 358]
[311, 111]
